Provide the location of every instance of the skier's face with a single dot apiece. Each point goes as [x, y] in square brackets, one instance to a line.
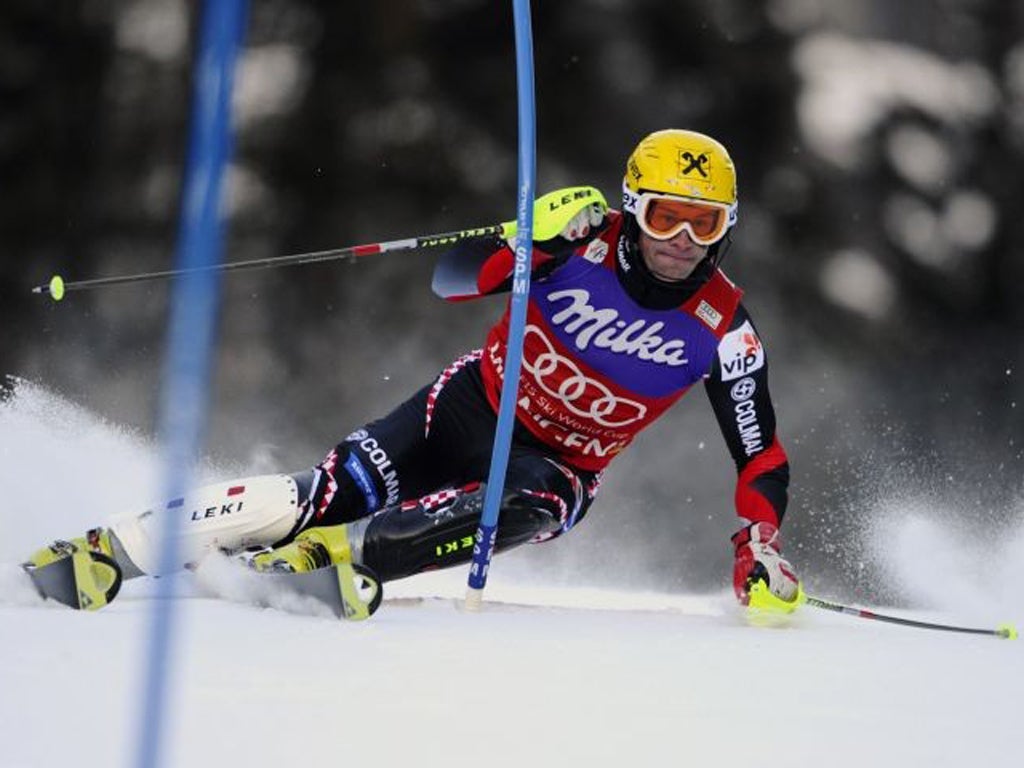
[673, 259]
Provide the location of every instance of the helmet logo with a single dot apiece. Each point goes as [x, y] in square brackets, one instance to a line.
[698, 163]
[682, 164]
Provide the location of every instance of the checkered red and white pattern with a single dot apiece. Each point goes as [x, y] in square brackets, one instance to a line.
[443, 379]
[440, 498]
[563, 512]
[325, 474]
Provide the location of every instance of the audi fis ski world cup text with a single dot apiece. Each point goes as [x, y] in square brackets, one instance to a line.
[586, 397]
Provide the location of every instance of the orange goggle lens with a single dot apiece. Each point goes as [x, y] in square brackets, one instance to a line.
[663, 218]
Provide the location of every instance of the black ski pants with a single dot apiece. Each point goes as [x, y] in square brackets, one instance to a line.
[421, 471]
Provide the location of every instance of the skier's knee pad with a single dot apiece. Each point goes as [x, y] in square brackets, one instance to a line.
[437, 531]
[550, 486]
[230, 516]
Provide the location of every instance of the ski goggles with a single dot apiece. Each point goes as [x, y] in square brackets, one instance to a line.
[663, 217]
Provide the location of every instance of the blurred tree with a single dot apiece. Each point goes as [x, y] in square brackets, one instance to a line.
[54, 61]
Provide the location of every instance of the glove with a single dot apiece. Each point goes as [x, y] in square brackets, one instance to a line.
[758, 559]
[579, 226]
[549, 211]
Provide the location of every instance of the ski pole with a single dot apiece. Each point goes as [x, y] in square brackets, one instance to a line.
[553, 211]
[57, 286]
[1007, 631]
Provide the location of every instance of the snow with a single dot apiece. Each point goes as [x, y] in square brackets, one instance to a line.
[544, 675]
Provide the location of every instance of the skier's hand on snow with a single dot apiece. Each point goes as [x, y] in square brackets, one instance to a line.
[758, 558]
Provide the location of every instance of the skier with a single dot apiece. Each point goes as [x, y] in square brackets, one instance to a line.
[627, 310]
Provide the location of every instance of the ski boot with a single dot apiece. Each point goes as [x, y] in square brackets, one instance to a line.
[95, 540]
[318, 563]
[311, 550]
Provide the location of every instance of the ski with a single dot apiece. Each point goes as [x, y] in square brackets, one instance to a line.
[87, 580]
[352, 592]
[84, 580]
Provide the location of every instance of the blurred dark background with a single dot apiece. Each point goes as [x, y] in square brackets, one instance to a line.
[880, 151]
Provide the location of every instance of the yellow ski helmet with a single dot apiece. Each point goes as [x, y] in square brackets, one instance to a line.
[681, 164]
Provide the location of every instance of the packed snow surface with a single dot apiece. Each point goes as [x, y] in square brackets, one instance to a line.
[544, 675]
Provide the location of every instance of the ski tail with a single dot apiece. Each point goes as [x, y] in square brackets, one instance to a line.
[361, 591]
[84, 580]
[352, 592]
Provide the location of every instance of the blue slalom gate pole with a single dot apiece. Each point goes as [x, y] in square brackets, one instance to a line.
[487, 532]
[194, 303]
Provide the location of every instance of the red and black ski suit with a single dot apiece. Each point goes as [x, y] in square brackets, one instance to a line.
[607, 349]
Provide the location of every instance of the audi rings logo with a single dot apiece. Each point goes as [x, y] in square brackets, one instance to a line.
[560, 378]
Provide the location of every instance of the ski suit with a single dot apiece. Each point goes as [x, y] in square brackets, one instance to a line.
[607, 349]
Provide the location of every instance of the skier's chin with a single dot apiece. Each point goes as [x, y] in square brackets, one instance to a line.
[675, 265]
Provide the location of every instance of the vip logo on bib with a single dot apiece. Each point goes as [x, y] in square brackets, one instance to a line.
[740, 353]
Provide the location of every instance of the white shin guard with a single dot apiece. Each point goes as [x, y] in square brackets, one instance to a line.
[230, 516]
